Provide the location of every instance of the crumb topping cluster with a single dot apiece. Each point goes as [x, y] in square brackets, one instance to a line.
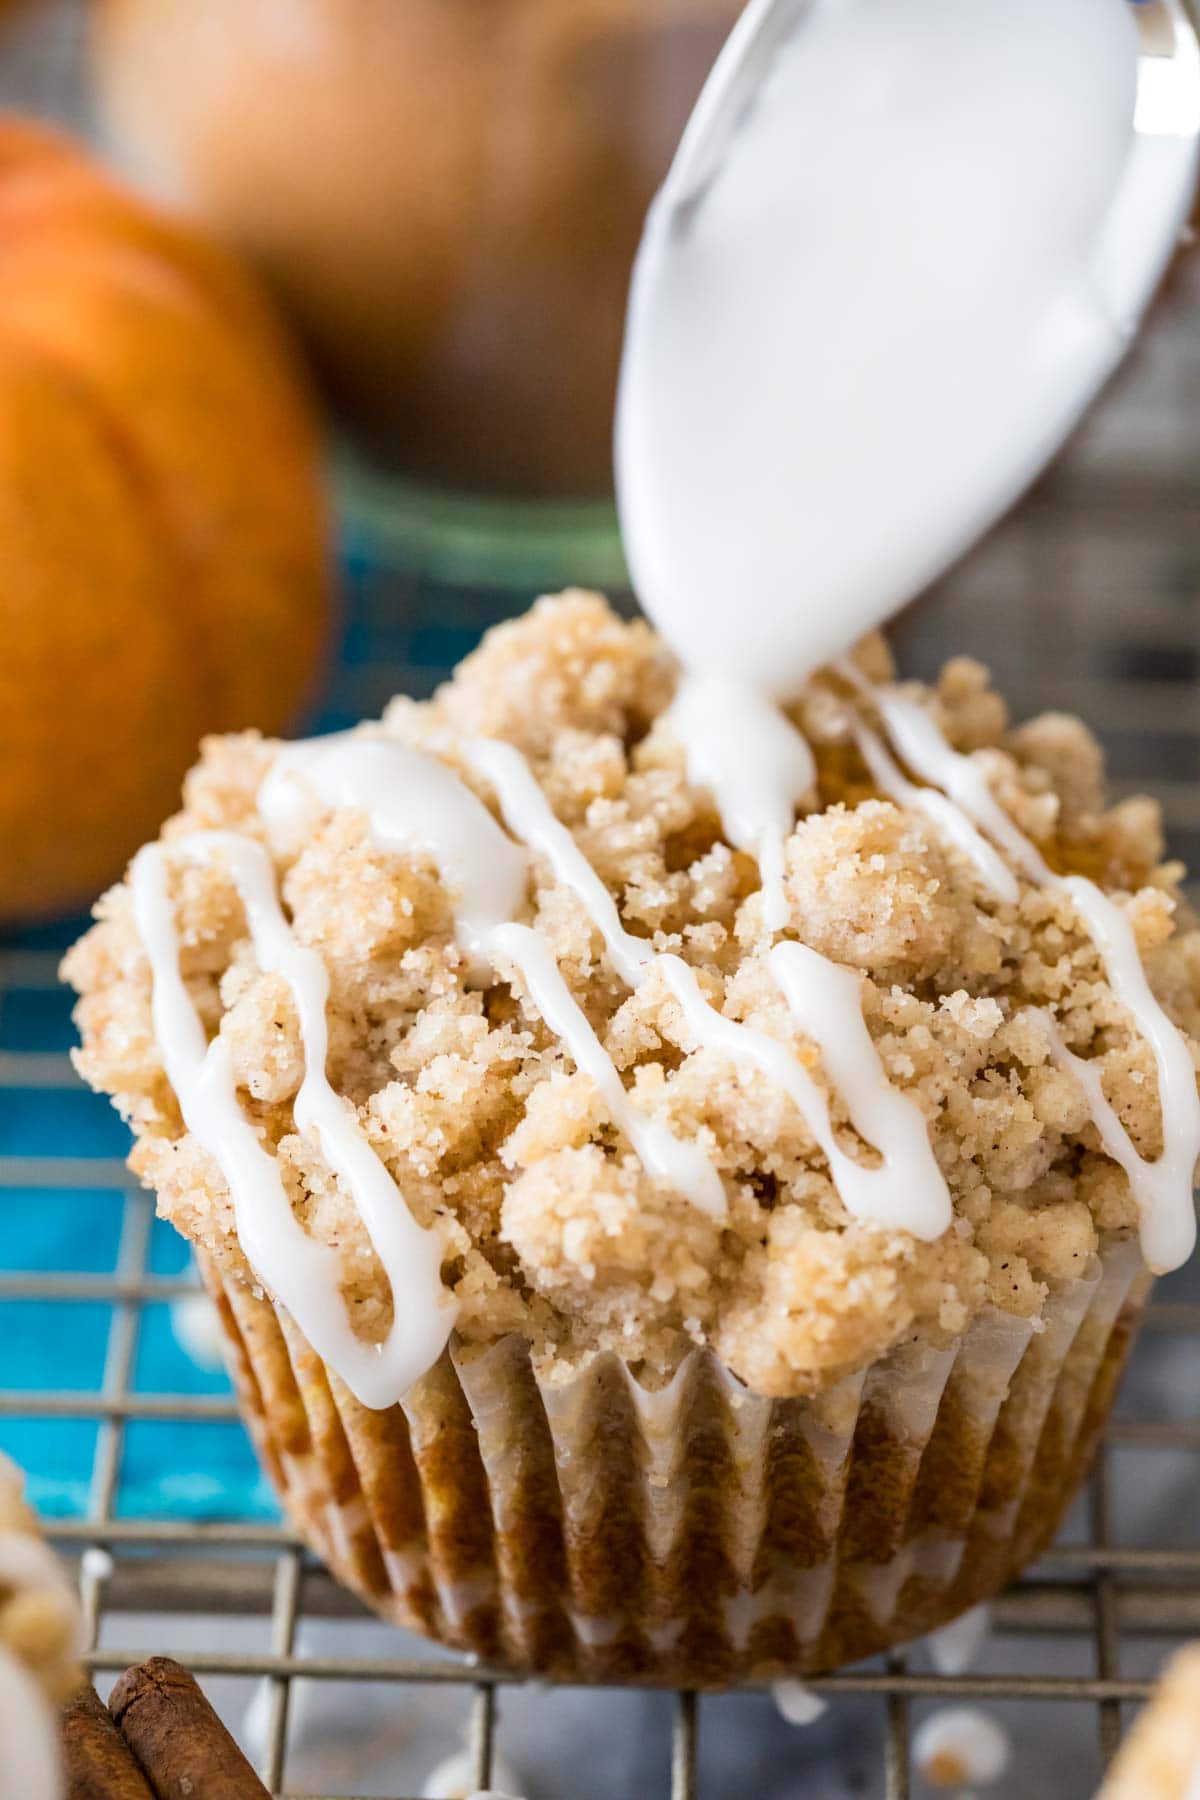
[552, 1228]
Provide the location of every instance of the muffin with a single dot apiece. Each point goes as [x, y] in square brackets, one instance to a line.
[1160, 1759]
[39, 1646]
[617, 1286]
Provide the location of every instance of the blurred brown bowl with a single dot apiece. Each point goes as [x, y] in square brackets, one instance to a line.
[447, 195]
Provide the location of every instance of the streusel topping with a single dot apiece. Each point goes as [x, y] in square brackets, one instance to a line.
[550, 1224]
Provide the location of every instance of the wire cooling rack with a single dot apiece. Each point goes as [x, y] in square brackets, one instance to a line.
[1088, 599]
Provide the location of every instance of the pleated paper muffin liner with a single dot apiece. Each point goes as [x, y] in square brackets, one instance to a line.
[588, 1529]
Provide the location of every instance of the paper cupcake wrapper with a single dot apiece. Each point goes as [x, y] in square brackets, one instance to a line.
[700, 1535]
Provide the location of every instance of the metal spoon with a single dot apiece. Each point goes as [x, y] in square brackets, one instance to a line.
[727, 481]
[1150, 208]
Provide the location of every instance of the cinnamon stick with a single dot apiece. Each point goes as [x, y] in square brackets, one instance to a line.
[177, 1737]
[97, 1762]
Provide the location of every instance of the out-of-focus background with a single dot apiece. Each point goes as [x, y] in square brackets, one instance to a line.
[442, 197]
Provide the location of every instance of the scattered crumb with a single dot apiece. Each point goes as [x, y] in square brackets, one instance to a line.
[96, 1564]
[955, 1647]
[797, 1703]
[198, 1330]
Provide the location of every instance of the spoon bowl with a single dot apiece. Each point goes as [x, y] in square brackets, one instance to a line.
[892, 264]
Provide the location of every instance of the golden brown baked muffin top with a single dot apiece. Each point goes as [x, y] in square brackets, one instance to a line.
[551, 1226]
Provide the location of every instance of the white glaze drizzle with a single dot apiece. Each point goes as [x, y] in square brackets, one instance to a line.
[923, 747]
[885, 772]
[825, 1000]
[96, 1564]
[797, 1703]
[682, 1166]
[906, 1189]
[297, 1270]
[414, 802]
[758, 767]
[453, 1777]
[531, 820]
[734, 347]
[1162, 1189]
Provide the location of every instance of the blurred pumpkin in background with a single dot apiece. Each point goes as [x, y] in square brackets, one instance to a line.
[446, 194]
[164, 561]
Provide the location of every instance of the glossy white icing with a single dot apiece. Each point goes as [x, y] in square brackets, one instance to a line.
[1162, 1188]
[296, 1269]
[905, 1188]
[953, 823]
[669, 1159]
[823, 310]
[924, 748]
[954, 1648]
[416, 803]
[797, 1703]
[758, 766]
[961, 1747]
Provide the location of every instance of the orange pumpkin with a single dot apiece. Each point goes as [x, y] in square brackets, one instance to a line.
[163, 532]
